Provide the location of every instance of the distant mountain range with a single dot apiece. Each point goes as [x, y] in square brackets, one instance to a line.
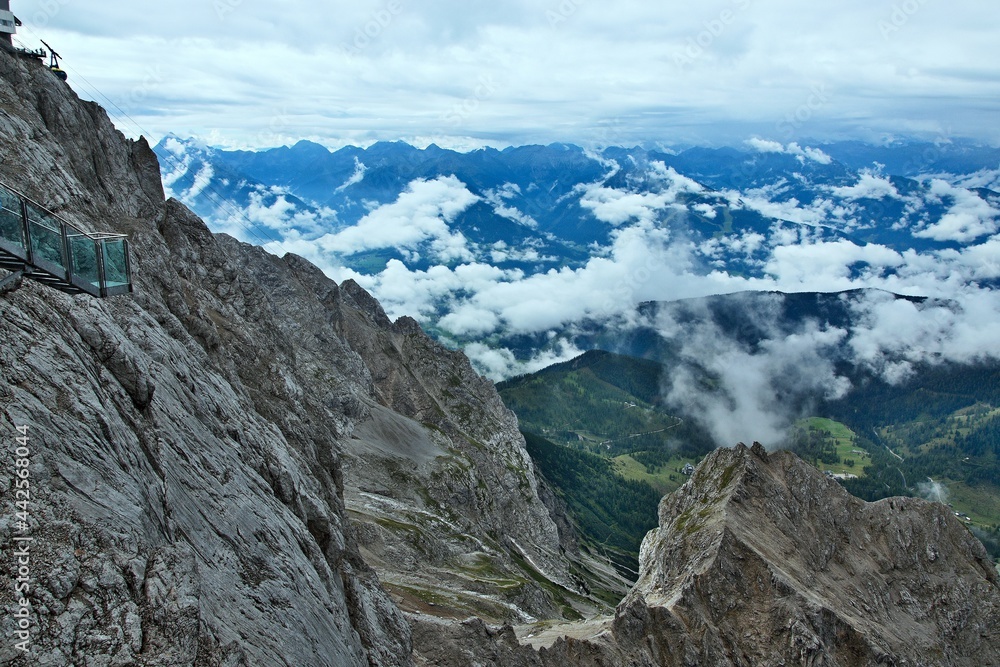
[503, 252]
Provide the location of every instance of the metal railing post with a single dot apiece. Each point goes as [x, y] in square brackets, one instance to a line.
[128, 263]
[67, 252]
[26, 231]
[102, 282]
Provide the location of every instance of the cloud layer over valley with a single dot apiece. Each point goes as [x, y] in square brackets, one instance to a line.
[511, 263]
[754, 381]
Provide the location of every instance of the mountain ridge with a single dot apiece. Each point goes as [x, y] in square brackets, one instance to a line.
[490, 249]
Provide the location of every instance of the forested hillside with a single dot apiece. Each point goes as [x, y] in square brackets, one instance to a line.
[602, 428]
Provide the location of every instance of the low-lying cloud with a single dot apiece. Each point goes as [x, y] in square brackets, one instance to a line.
[803, 154]
[742, 390]
[743, 393]
[472, 294]
[423, 212]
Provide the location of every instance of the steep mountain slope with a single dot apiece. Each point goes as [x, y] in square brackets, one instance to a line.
[762, 362]
[192, 446]
[761, 560]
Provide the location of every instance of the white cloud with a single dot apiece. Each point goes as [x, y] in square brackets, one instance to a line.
[355, 178]
[422, 213]
[893, 334]
[617, 207]
[869, 186]
[400, 79]
[768, 146]
[765, 145]
[481, 299]
[706, 210]
[815, 214]
[497, 198]
[758, 391]
[970, 217]
[987, 178]
[828, 265]
[500, 363]
[748, 398]
[746, 244]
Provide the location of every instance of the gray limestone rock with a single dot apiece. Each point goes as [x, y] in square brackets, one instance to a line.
[204, 451]
[762, 560]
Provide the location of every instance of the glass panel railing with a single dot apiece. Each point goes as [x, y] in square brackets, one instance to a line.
[116, 271]
[46, 237]
[85, 260]
[11, 225]
[79, 261]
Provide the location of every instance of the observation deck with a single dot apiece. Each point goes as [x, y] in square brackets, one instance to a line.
[38, 244]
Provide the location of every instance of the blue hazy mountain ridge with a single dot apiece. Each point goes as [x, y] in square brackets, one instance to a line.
[352, 180]
[504, 247]
[916, 158]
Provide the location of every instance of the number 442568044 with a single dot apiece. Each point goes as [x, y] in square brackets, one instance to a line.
[23, 474]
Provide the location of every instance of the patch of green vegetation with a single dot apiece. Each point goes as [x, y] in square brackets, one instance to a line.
[839, 432]
[683, 519]
[943, 424]
[398, 526]
[606, 445]
[666, 478]
[690, 522]
[423, 594]
[980, 503]
[610, 511]
[829, 445]
[603, 403]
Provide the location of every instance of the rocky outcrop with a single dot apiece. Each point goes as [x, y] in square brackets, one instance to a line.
[765, 559]
[762, 560]
[199, 449]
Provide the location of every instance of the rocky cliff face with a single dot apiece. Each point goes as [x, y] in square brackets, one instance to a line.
[193, 446]
[760, 559]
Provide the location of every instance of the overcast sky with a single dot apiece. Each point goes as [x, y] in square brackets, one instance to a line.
[253, 74]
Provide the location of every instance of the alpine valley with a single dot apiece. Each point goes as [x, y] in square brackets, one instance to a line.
[295, 455]
[856, 325]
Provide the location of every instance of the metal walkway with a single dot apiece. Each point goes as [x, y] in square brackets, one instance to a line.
[37, 243]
